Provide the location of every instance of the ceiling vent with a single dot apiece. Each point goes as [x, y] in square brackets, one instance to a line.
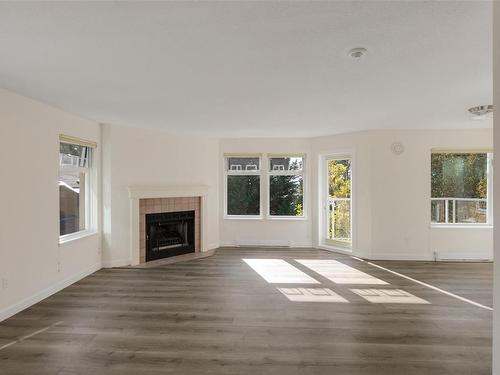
[481, 112]
[357, 53]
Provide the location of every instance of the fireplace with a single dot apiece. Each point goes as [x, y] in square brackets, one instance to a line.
[169, 234]
[164, 200]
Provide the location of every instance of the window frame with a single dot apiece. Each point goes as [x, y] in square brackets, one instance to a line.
[228, 172]
[343, 246]
[91, 208]
[270, 173]
[489, 191]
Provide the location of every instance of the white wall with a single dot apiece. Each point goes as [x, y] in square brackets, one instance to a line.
[266, 232]
[157, 158]
[392, 194]
[496, 120]
[32, 264]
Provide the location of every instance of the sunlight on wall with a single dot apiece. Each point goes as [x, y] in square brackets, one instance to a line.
[388, 296]
[339, 273]
[277, 271]
[312, 295]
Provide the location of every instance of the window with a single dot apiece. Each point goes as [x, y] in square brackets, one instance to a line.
[338, 201]
[461, 188]
[286, 186]
[243, 186]
[75, 188]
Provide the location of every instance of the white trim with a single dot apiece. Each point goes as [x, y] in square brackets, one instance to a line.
[116, 263]
[35, 298]
[398, 256]
[212, 246]
[227, 173]
[292, 218]
[460, 226]
[243, 217]
[489, 195]
[336, 249]
[76, 236]
[301, 173]
[323, 194]
[91, 199]
[174, 191]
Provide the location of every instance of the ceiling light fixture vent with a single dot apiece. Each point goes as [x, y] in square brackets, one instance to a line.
[481, 112]
[357, 53]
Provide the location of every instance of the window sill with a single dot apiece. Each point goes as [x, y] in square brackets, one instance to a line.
[293, 218]
[242, 217]
[75, 236]
[461, 226]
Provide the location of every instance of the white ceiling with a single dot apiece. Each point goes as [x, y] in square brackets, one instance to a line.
[253, 68]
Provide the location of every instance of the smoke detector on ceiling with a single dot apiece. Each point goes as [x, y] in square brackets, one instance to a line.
[357, 53]
[481, 112]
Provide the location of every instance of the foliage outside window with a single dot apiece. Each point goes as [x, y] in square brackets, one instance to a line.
[243, 186]
[459, 188]
[286, 186]
[339, 213]
[75, 163]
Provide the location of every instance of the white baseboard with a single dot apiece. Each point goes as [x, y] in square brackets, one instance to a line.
[211, 246]
[116, 263]
[47, 292]
[335, 249]
[399, 256]
[265, 243]
[427, 257]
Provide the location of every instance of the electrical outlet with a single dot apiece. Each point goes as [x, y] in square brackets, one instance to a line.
[5, 283]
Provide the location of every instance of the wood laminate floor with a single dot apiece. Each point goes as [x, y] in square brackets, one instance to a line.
[219, 316]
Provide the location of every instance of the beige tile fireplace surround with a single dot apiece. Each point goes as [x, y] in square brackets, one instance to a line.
[157, 199]
[161, 205]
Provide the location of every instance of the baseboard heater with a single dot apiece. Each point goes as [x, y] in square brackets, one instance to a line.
[437, 258]
[280, 244]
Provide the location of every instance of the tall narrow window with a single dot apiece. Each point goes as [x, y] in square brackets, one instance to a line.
[75, 189]
[243, 186]
[286, 186]
[460, 188]
[339, 207]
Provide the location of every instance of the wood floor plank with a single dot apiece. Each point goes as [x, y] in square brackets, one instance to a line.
[218, 316]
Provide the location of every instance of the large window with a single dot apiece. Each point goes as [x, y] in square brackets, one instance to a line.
[339, 205]
[243, 186]
[286, 186]
[460, 188]
[75, 189]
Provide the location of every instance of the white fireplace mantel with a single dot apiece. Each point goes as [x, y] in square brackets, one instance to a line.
[162, 191]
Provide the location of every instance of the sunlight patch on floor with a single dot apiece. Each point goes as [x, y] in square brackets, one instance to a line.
[277, 271]
[388, 296]
[339, 273]
[312, 295]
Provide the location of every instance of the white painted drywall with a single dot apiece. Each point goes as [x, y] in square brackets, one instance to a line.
[31, 260]
[392, 194]
[496, 98]
[156, 158]
[265, 231]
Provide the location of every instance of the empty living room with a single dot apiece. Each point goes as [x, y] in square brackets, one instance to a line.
[249, 187]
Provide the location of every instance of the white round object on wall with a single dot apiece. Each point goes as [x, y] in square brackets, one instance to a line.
[397, 148]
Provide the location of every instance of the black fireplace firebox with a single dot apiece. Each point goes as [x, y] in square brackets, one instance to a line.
[169, 234]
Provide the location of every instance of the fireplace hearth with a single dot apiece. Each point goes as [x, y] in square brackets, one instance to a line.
[169, 234]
